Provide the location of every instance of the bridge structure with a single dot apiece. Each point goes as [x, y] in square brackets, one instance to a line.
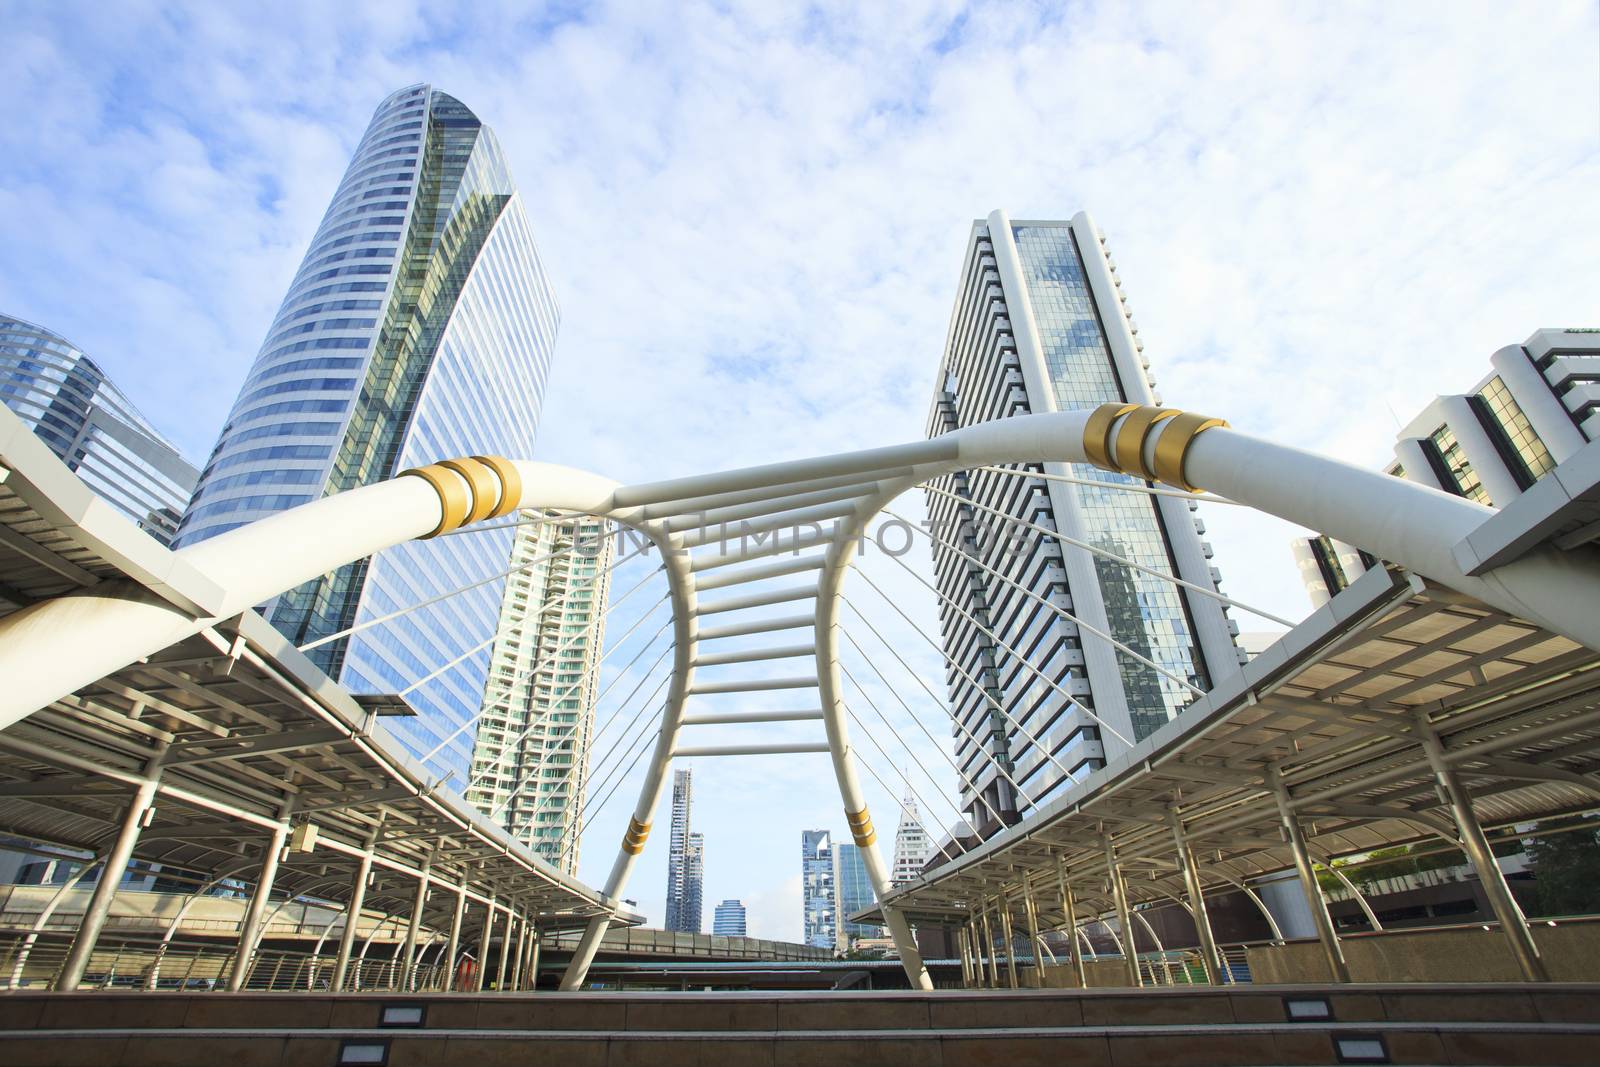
[147, 710]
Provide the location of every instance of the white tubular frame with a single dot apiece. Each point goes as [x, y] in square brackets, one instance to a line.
[51, 649]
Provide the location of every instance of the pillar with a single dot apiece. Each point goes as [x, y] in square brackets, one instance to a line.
[505, 954]
[250, 929]
[1069, 911]
[1512, 922]
[1003, 903]
[533, 959]
[1119, 892]
[522, 952]
[1031, 913]
[478, 977]
[1337, 968]
[409, 952]
[1214, 964]
[105, 890]
[453, 946]
[988, 944]
[358, 898]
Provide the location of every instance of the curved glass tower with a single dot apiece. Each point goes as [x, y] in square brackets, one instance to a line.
[71, 405]
[419, 327]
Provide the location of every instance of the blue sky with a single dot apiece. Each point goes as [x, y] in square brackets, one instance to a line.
[754, 217]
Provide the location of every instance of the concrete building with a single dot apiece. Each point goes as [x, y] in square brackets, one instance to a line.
[530, 755]
[1538, 406]
[692, 912]
[729, 919]
[678, 847]
[418, 327]
[912, 847]
[1040, 324]
[70, 404]
[819, 889]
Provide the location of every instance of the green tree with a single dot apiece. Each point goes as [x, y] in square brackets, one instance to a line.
[1566, 870]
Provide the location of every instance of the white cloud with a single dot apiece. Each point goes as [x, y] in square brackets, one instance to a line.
[754, 216]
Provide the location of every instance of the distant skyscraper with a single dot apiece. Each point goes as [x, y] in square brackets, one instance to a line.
[819, 892]
[729, 919]
[694, 880]
[1040, 325]
[855, 893]
[911, 845]
[419, 327]
[678, 852]
[1538, 405]
[86, 421]
[530, 759]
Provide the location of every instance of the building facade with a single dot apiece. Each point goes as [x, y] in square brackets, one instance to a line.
[819, 896]
[678, 845]
[729, 919]
[1040, 324]
[530, 753]
[694, 880]
[912, 848]
[89, 424]
[1538, 405]
[418, 327]
[855, 893]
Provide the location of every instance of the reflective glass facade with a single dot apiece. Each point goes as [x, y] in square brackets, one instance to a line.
[819, 895]
[855, 893]
[419, 327]
[66, 399]
[1024, 704]
[1518, 442]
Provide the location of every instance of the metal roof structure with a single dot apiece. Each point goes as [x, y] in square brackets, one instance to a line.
[249, 732]
[1332, 709]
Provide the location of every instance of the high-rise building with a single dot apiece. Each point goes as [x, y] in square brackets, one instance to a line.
[418, 327]
[72, 407]
[729, 919]
[678, 852]
[855, 893]
[1040, 324]
[911, 845]
[1538, 405]
[694, 880]
[819, 889]
[530, 758]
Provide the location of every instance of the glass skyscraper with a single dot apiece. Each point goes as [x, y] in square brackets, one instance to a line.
[683, 892]
[1040, 324]
[418, 327]
[72, 407]
[855, 893]
[818, 889]
[729, 919]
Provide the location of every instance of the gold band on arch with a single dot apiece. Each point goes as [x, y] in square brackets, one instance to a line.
[1115, 436]
[470, 488]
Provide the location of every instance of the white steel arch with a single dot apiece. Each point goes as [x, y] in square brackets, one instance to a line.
[795, 559]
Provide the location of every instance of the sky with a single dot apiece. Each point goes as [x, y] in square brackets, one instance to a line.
[754, 217]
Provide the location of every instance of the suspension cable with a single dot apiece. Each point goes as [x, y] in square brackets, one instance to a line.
[977, 793]
[932, 811]
[938, 789]
[1204, 498]
[1095, 550]
[1063, 612]
[938, 700]
[1021, 660]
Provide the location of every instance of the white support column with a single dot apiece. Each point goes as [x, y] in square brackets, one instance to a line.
[521, 953]
[1069, 911]
[1492, 471]
[250, 929]
[479, 978]
[1003, 905]
[533, 960]
[1513, 925]
[409, 953]
[1214, 965]
[505, 953]
[1548, 416]
[1119, 893]
[1338, 970]
[993, 976]
[105, 890]
[358, 898]
[1031, 915]
[453, 945]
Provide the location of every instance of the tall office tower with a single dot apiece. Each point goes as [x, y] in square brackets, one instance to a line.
[911, 846]
[1040, 325]
[855, 893]
[530, 757]
[678, 851]
[1538, 405]
[418, 327]
[694, 880]
[72, 407]
[818, 888]
[729, 919]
